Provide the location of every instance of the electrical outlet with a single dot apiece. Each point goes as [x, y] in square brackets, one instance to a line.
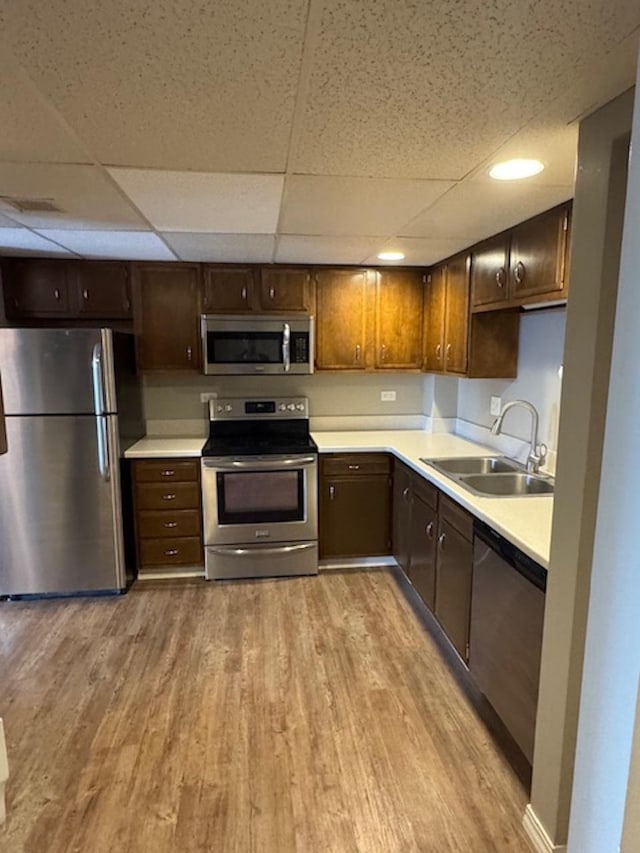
[496, 405]
[387, 396]
[205, 396]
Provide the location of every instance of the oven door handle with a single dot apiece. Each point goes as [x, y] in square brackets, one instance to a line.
[262, 551]
[286, 347]
[258, 464]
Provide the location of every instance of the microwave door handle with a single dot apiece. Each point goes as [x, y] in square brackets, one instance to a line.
[286, 347]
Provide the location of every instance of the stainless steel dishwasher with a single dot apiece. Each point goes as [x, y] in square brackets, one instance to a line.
[507, 612]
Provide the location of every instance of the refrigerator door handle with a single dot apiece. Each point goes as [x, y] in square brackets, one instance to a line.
[3, 425]
[103, 448]
[98, 381]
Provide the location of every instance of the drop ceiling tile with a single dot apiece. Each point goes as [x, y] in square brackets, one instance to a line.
[21, 241]
[473, 210]
[5, 222]
[189, 85]
[31, 131]
[86, 197]
[123, 245]
[299, 249]
[204, 201]
[417, 251]
[221, 248]
[353, 206]
[432, 89]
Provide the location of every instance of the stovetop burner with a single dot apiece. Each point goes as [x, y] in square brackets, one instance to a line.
[259, 427]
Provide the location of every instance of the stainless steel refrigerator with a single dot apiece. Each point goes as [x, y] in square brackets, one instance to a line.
[72, 404]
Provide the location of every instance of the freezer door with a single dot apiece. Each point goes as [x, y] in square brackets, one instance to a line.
[49, 371]
[60, 516]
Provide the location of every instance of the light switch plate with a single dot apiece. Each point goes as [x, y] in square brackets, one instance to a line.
[387, 396]
[496, 405]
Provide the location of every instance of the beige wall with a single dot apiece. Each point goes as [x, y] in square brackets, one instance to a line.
[597, 229]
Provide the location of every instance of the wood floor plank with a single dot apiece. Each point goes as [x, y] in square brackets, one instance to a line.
[279, 716]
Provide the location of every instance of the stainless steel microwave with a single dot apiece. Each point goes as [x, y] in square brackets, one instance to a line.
[245, 344]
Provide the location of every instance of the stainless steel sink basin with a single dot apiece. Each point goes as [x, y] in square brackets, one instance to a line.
[474, 465]
[507, 485]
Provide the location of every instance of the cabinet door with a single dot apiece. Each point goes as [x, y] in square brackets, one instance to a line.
[341, 323]
[434, 316]
[457, 316]
[228, 289]
[424, 529]
[489, 277]
[538, 254]
[453, 585]
[285, 289]
[402, 515]
[167, 317]
[399, 308]
[101, 288]
[355, 516]
[36, 288]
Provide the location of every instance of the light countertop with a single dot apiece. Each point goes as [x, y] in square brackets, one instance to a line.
[165, 447]
[524, 521]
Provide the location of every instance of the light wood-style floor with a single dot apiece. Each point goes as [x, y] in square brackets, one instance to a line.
[306, 715]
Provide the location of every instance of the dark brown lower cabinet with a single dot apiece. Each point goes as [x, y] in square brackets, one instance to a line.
[402, 492]
[355, 505]
[453, 586]
[422, 569]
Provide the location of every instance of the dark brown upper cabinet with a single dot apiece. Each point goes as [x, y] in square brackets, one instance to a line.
[36, 288]
[167, 308]
[398, 319]
[490, 271]
[286, 289]
[228, 289]
[538, 264]
[342, 319]
[101, 288]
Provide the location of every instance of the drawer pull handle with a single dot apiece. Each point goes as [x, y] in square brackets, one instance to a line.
[353, 467]
[441, 540]
[332, 492]
[272, 293]
[243, 293]
[405, 493]
[167, 473]
[56, 293]
[172, 552]
[168, 497]
[85, 294]
[429, 530]
[170, 524]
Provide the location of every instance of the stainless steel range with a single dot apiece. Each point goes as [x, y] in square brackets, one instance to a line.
[260, 489]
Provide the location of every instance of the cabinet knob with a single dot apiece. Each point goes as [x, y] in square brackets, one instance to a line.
[501, 277]
[56, 293]
[429, 530]
[441, 540]
[520, 272]
[272, 293]
[438, 351]
[243, 293]
[85, 294]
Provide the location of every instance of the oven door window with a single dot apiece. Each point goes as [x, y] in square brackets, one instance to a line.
[244, 347]
[259, 497]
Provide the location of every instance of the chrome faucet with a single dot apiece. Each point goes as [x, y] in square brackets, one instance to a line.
[537, 452]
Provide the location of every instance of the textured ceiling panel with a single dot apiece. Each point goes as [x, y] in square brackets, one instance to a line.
[221, 248]
[418, 252]
[188, 85]
[293, 249]
[476, 209]
[5, 222]
[86, 197]
[21, 241]
[353, 206]
[124, 245]
[201, 201]
[30, 130]
[429, 89]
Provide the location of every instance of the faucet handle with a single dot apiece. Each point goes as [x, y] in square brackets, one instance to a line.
[542, 452]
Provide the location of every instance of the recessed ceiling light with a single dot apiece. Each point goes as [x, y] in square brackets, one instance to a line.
[391, 256]
[514, 170]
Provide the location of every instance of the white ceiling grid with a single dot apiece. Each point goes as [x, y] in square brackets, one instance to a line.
[298, 131]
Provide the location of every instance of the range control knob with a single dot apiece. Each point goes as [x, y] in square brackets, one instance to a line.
[291, 407]
[219, 408]
[300, 407]
[282, 407]
[228, 407]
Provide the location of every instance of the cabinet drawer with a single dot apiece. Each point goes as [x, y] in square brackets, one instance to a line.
[352, 464]
[171, 552]
[168, 496]
[160, 524]
[166, 471]
[456, 517]
[425, 490]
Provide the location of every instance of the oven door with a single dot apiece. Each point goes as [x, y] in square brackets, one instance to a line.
[239, 345]
[260, 499]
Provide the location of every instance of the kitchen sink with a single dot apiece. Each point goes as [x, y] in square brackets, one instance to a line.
[474, 465]
[507, 485]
